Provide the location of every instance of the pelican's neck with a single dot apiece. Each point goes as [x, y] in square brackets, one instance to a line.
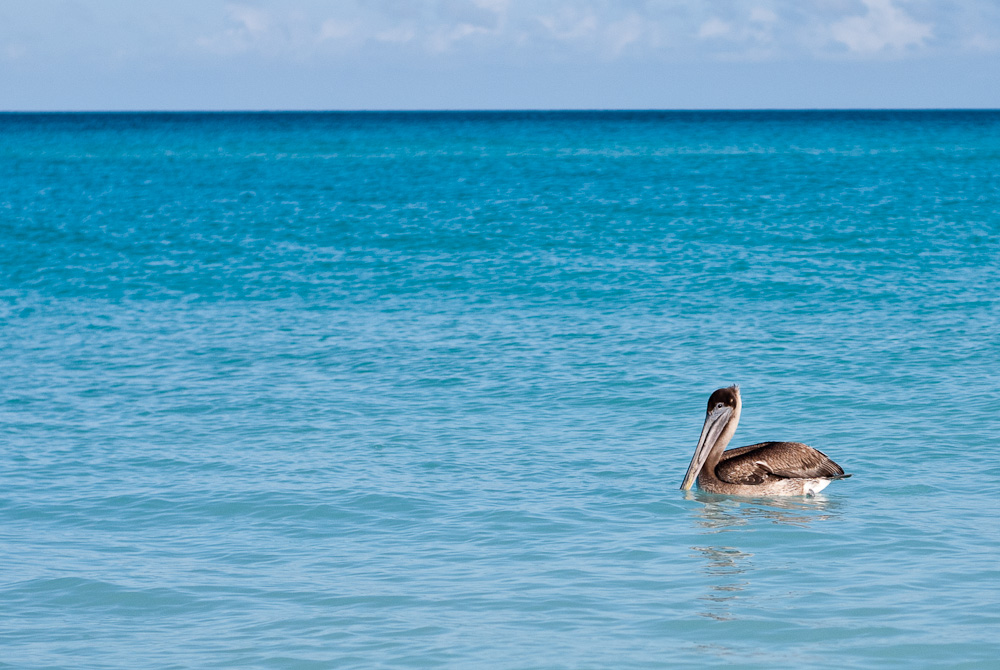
[715, 455]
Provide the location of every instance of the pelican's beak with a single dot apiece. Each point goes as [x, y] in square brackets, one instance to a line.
[715, 423]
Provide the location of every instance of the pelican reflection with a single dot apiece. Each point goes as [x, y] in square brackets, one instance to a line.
[730, 569]
[727, 567]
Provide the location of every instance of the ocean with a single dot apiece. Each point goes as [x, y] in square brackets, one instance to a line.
[417, 390]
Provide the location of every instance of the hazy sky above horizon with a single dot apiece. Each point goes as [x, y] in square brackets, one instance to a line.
[498, 54]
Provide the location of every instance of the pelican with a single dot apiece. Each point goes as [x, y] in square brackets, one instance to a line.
[765, 469]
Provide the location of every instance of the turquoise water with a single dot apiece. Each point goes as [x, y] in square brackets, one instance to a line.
[418, 390]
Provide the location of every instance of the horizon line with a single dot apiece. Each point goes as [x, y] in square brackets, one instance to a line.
[496, 110]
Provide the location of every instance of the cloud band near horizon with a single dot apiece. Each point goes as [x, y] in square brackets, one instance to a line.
[154, 47]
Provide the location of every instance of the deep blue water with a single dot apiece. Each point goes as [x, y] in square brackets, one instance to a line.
[418, 390]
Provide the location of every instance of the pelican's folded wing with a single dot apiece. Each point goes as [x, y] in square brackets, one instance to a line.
[792, 460]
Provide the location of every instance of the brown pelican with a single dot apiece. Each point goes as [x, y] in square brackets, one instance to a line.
[765, 469]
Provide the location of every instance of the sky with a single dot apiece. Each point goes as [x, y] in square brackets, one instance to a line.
[498, 54]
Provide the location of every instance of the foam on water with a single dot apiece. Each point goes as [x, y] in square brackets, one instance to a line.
[417, 390]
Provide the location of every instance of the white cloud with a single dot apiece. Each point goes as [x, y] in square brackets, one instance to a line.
[980, 42]
[252, 25]
[396, 35]
[332, 29]
[444, 39]
[569, 24]
[562, 30]
[477, 14]
[252, 20]
[460, 20]
[621, 34]
[748, 37]
[715, 28]
[883, 27]
[763, 15]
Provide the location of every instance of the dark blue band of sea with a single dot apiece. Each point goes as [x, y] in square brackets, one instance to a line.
[418, 389]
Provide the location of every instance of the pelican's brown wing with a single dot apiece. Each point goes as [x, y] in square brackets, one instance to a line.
[756, 463]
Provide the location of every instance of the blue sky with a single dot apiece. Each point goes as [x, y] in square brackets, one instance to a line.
[498, 54]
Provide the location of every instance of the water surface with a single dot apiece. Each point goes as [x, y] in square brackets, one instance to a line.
[417, 390]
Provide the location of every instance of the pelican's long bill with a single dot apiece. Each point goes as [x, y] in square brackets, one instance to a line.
[715, 423]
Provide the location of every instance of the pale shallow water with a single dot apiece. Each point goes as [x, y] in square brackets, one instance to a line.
[417, 390]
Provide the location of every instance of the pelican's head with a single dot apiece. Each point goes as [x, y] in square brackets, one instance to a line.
[720, 423]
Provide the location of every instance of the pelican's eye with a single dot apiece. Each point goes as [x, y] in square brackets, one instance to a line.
[719, 405]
